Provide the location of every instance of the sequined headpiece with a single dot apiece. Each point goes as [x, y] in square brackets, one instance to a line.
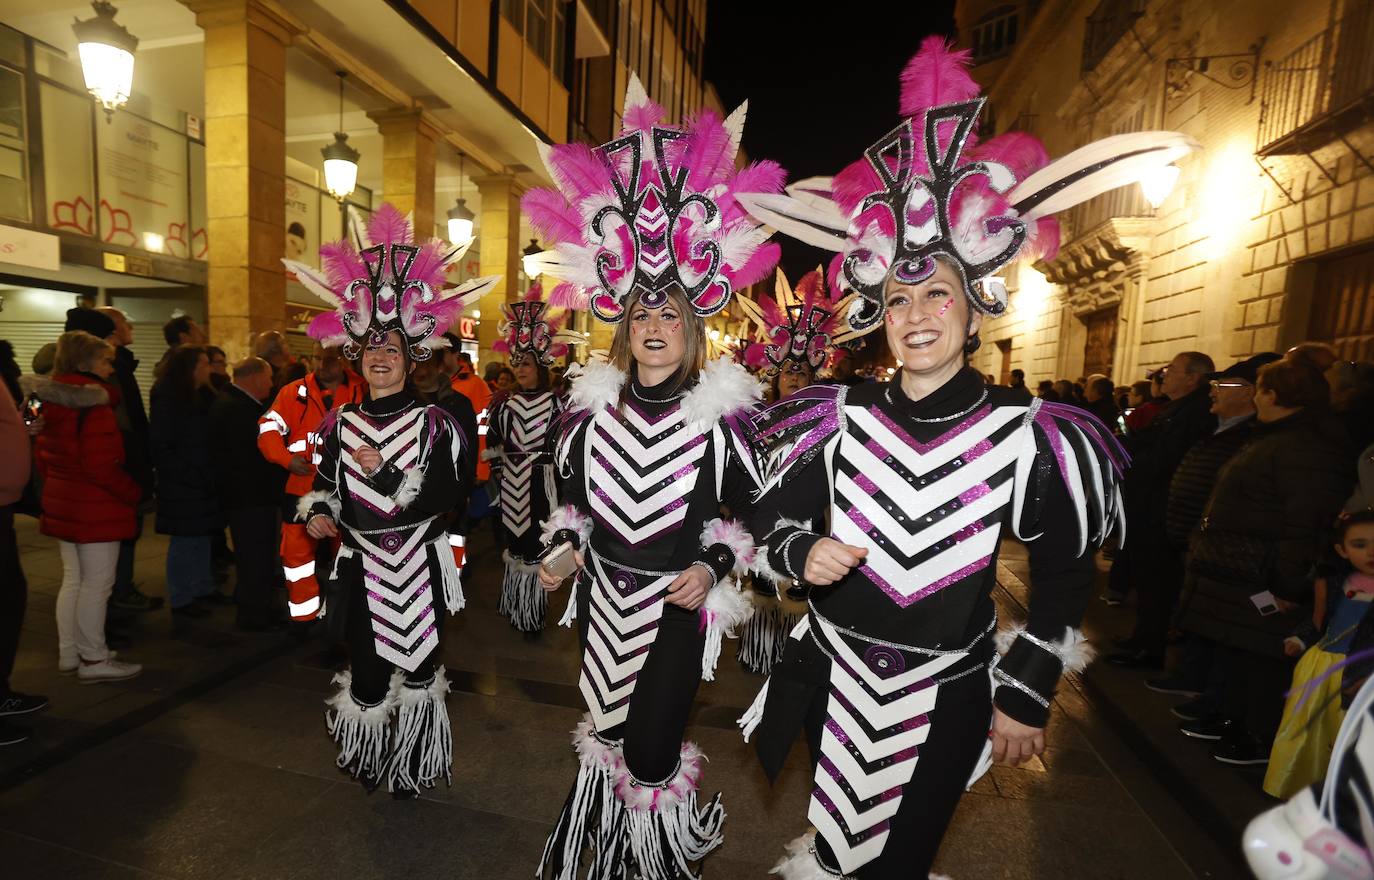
[930, 189]
[527, 331]
[797, 327]
[652, 210]
[388, 282]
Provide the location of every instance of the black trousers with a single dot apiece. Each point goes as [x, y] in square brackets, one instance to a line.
[124, 568]
[257, 535]
[664, 690]
[1156, 570]
[14, 596]
[1254, 689]
[959, 726]
[371, 673]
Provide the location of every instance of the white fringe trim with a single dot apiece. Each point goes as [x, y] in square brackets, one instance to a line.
[410, 487]
[725, 608]
[592, 815]
[667, 833]
[570, 613]
[565, 517]
[422, 730]
[523, 599]
[763, 637]
[361, 732]
[749, 721]
[451, 574]
[734, 535]
[1073, 650]
[800, 863]
[310, 499]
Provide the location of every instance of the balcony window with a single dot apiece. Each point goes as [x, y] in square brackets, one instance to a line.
[14, 177]
[1109, 22]
[995, 34]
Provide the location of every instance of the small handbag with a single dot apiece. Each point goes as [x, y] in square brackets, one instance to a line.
[1230, 557]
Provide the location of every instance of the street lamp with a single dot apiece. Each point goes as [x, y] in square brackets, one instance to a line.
[340, 160]
[530, 262]
[1158, 183]
[107, 57]
[459, 217]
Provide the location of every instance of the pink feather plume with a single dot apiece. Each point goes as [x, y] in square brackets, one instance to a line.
[387, 225]
[551, 216]
[937, 74]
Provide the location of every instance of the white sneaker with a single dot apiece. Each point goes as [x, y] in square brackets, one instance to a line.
[107, 670]
[69, 667]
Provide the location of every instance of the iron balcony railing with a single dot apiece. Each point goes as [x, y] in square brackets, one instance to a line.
[1125, 201]
[1321, 89]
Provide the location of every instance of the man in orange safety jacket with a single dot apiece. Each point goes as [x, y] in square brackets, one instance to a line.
[287, 437]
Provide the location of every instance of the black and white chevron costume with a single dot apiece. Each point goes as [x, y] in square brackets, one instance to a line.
[397, 574]
[643, 483]
[517, 441]
[888, 672]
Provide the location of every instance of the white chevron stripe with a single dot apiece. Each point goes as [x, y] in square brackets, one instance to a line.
[849, 811]
[380, 434]
[616, 618]
[944, 452]
[641, 484]
[933, 532]
[828, 829]
[408, 661]
[908, 581]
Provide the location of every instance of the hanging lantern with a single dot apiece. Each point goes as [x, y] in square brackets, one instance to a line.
[340, 160]
[459, 217]
[107, 57]
[528, 262]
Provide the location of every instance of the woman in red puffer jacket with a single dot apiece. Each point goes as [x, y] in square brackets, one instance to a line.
[89, 500]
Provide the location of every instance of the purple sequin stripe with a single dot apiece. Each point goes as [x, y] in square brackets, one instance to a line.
[923, 448]
[1091, 427]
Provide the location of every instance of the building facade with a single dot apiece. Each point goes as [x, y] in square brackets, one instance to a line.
[1267, 237]
[185, 200]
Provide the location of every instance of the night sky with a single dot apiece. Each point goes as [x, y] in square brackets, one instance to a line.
[821, 80]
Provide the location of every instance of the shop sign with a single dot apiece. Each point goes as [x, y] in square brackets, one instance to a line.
[130, 264]
[193, 127]
[24, 247]
[467, 328]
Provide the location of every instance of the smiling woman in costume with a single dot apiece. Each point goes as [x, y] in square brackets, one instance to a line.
[390, 470]
[919, 476]
[518, 438]
[650, 238]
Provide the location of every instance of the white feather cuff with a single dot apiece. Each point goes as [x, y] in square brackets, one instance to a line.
[410, 487]
[566, 517]
[1073, 650]
[310, 499]
[734, 535]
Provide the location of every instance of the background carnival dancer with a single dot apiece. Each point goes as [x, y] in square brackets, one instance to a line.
[391, 470]
[518, 444]
[795, 329]
[919, 476]
[651, 238]
[287, 437]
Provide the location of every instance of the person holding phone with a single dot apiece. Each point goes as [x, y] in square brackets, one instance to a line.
[918, 478]
[390, 471]
[517, 440]
[653, 443]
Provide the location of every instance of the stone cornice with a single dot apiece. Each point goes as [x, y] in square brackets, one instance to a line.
[1101, 254]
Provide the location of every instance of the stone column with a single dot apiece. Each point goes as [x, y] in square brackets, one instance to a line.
[245, 167]
[408, 165]
[499, 239]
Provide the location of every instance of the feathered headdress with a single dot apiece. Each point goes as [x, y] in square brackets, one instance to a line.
[929, 188]
[528, 332]
[654, 209]
[797, 326]
[387, 282]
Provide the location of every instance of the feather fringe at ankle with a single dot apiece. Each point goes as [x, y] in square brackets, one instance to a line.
[633, 829]
[523, 600]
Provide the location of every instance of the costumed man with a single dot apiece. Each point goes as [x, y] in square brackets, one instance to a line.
[651, 238]
[518, 441]
[287, 437]
[795, 330]
[919, 476]
[391, 469]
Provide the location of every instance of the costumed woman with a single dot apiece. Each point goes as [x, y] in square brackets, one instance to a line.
[517, 439]
[796, 327]
[919, 475]
[651, 238]
[391, 470]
